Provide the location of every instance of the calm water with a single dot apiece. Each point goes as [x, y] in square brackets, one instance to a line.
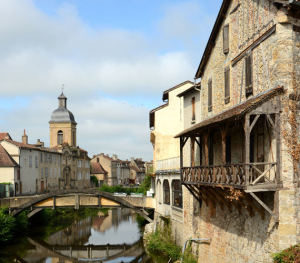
[111, 238]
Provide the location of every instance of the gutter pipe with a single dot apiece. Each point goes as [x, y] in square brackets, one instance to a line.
[195, 83]
[193, 240]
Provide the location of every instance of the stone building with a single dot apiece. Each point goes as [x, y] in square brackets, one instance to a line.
[239, 174]
[38, 168]
[99, 172]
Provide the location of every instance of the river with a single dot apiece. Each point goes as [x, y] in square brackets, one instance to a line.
[112, 236]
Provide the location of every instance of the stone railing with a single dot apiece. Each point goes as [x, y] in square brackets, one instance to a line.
[234, 174]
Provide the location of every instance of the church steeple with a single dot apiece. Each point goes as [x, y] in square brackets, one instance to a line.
[62, 101]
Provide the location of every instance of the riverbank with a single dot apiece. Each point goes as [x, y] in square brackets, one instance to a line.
[160, 241]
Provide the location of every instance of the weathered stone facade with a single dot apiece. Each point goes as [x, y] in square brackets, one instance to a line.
[242, 230]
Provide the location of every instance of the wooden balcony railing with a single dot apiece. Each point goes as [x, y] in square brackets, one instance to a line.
[231, 174]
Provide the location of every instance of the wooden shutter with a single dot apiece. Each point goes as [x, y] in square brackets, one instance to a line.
[193, 109]
[227, 84]
[226, 39]
[209, 95]
[248, 70]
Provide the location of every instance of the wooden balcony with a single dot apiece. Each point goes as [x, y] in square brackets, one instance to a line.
[262, 176]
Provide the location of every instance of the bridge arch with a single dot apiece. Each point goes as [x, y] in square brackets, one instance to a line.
[77, 198]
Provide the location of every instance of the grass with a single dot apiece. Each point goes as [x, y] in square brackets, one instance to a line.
[162, 243]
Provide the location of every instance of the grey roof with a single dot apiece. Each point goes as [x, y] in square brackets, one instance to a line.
[62, 115]
[62, 96]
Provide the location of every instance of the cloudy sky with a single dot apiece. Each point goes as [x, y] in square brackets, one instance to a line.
[115, 58]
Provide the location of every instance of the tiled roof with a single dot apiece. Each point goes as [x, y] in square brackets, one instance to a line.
[135, 169]
[3, 135]
[97, 168]
[237, 110]
[6, 160]
[23, 145]
[188, 90]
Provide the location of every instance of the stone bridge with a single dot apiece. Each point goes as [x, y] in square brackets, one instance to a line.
[90, 253]
[77, 198]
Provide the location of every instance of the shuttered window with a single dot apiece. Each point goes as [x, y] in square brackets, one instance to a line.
[248, 70]
[209, 95]
[227, 84]
[226, 39]
[193, 109]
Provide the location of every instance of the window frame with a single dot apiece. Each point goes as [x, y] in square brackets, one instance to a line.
[177, 184]
[166, 191]
[248, 74]
[226, 38]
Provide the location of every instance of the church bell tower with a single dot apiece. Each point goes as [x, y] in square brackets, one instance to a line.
[62, 124]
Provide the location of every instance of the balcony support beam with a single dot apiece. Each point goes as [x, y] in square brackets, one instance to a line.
[236, 205]
[212, 196]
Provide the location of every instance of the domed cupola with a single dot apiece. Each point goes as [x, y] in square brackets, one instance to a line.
[62, 114]
[62, 124]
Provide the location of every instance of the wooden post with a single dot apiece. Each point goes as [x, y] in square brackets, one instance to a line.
[223, 135]
[192, 151]
[247, 148]
[206, 136]
[278, 147]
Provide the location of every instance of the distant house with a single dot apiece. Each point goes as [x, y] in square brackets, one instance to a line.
[99, 172]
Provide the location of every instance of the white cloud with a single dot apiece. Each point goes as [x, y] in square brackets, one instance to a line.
[39, 53]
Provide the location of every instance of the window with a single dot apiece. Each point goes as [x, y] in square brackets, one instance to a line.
[51, 158]
[18, 175]
[226, 39]
[60, 137]
[58, 173]
[210, 95]
[177, 193]
[248, 77]
[193, 109]
[46, 158]
[41, 157]
[51, 172]
[46, 172]
[55, 172]
[20, 161]
[30, 161]
[166, 192]
[54, 159]
[227, 84]
[158, 187]
[58, 160]
[42, 173]
[36, 161]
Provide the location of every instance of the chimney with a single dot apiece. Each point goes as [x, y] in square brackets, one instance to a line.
[141, 159]
[132, 159]
[107, 155]
[101, 154]
[6, 137]
[97, 160]
[126, 160]
[115, 157]
[25, 138]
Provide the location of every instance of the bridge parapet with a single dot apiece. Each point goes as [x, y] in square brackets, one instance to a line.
[78, 198]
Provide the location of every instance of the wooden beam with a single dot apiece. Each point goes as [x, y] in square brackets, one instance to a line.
[270, 120]
[206, 136]
[247, 147]
[193, 151]
[278, 147]
[199, 193]
[254, 121]
[223, 200]
[191, 191]
[212, 196]
[276, 206]
[263, 205]
[237, 206]
[263, 174]
[206, 197]
[260, 211]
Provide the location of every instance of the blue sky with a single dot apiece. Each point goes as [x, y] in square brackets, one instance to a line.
[114, 57]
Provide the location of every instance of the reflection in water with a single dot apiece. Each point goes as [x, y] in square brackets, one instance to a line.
[111, 238]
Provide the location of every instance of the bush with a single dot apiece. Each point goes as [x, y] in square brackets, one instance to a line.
[7, 226]
[289, 255]
[94, 180]
[162, 242]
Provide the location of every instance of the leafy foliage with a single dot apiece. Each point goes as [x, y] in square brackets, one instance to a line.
[7, 226]
[289, 255]
[162, 242]
[145, 186]
[94, 180]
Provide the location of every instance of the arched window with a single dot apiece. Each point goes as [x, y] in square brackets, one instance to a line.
[158, 192]
[177, 193]
[60, 137]
[166, 192]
